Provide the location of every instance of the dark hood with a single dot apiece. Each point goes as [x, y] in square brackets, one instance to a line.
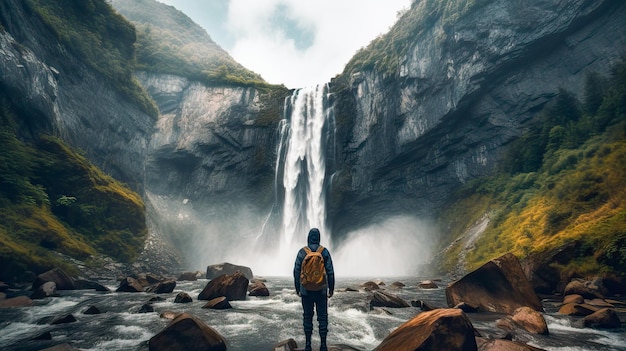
[314, 237]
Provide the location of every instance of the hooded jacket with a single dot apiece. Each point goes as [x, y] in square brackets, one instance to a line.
[313, 242]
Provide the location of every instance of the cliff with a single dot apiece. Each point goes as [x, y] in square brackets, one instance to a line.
[454, 95]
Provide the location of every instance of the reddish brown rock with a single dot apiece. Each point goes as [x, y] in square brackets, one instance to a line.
[187, 332]
[575, 309]
[369, 286]
[188, 276]
[442, 329]
[574, 298]
[498, 286]
[130, 284]
[56, 275]
[586, 289]
[183, 297]
[385, 299]
[162, 287]
[218, 303]
[503, 345]
[604, 318]
[428, 284]
[19, 301]
[257, 288]
[530, 320]
[233, 287]
[216, 270]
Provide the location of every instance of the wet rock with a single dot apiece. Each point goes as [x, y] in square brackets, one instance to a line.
[503, 345]
[169, 315]
[586, 289]
[385, 299]
[82, 284]
[56, 275]
[604, 318]
[188, 276]
[465, 307]
[217, 270]
[43, 336]
[233, 287]
[575, 309]
[68, 318]
[530, 320]
[92, 310]
[428, 284]
[574, 298]
[423, 305]
[218, 303]
[187, 332]
[598, 303]
[18, 301]
[162, 287]
[183, 297]
[146, 308]
[397, 285]
[498, 286]
[46, 289]
[258, 289]
[286, 345]
[442, 329]
[130, 284]
[370, 286]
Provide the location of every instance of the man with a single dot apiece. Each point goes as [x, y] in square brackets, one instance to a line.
[314, 297]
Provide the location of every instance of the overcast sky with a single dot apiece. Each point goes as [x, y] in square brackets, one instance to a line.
[293, 42]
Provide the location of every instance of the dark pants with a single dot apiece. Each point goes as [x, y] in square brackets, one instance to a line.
[318, 300]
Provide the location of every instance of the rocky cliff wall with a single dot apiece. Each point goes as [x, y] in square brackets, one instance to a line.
[460, 94]
[66, 98]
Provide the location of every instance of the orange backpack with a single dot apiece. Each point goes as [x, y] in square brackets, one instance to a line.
[313, 272]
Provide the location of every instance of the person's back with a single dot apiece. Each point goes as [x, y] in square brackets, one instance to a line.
[321, 285]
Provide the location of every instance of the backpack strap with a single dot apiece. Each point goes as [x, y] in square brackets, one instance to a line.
[307, 250]
[319, 249]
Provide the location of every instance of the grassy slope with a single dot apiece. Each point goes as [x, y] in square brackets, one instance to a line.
[170, 42]
[562, 182]
[52, 200]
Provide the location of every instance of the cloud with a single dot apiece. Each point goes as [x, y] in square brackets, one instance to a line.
[294, 42]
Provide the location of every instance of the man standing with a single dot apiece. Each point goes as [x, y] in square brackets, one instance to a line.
[314, 279]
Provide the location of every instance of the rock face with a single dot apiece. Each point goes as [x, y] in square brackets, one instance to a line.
[442, 329]
[187, 332]
[498, 286]
[457, 97]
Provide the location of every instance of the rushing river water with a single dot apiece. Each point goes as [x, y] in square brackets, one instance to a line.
[258, 323]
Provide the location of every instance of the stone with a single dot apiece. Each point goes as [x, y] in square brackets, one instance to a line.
[258, 289]
[82, 284]
[497, 286]
[43, 336]
[397, 285]
[171, 315]
[92, 310]
[162, 287]
[216, 270]
[385, 299]
[586, 289]
[574, 298]
[62, 280]
[428, 284]
[503, 345]
[465, 307]
[146, 308]
[18, 301]
[604, 318]
[286, 345]
[47, 289]
[598, 303]
[530, 320]
[188, 276]
[130, 284]
[441, 329]
[64, 319]
[575, 309]
[218, 303]
[233, 287]
[183, 297]
[186, 332]
[370, 285]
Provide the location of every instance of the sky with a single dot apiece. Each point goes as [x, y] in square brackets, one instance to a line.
[298, 43]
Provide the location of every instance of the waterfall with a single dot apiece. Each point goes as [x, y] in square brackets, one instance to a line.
[304, 166]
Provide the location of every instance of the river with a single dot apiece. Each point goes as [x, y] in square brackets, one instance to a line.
[258, 323]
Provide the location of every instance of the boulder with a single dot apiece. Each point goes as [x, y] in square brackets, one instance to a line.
[162, 287]
[19, 301]
[502, 345]
[92, 310]
[217, 270]
[258, 289]
[604, 318]
[46, 289]
[130, 284]
[530, 320]
[188, 276]
[498, 286]
[187, 332]
[574, 298]
[43, 336]
[425, 306]
[599, 303]
[233, 287]
[183, 297]
[369, 286]
[385, 299]
[442, 329]
[56, 275]
[397, 285]
[218, 303]
[82, 284]
[465, 307]
[428, 284]
[575, 309]
[286, 345]
[586, 289]
[64, 319]
[146, 308]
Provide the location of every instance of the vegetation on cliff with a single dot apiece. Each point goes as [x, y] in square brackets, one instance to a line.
[563, 182]
[170, 42]
[101, 38]
[55, 203]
